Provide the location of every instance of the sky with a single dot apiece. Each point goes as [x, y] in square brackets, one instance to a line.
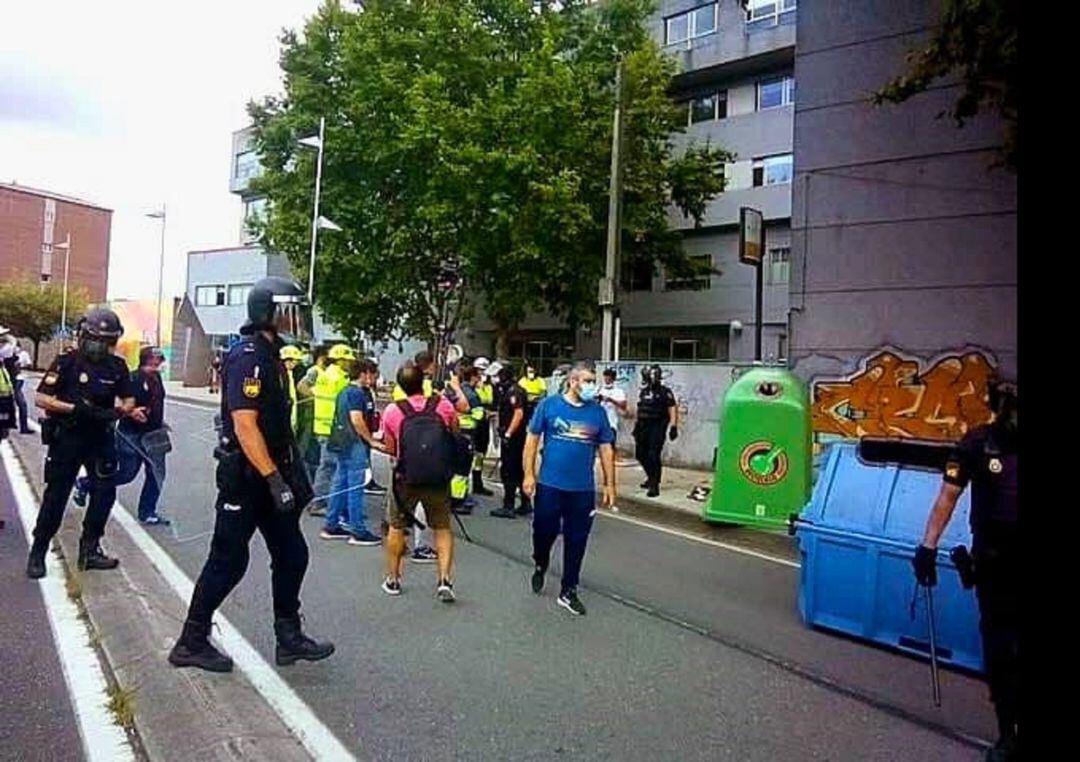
[131, 105]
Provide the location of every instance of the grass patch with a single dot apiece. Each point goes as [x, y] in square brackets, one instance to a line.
[122, 705]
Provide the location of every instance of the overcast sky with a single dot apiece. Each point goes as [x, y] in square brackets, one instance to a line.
[130, 104]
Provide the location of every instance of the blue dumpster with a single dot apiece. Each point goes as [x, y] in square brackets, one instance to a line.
[857, 537]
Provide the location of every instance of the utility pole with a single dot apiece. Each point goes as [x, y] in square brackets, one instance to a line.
[609, 283]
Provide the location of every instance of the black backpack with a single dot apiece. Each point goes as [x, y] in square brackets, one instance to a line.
[428, 452]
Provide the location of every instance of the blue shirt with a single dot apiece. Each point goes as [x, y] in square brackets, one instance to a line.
[354, 398]
[572, 434]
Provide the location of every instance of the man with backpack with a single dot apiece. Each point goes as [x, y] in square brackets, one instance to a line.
[421, 433]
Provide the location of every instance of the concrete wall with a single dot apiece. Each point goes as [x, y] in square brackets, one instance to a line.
[698, 389]
[223, 266]
[903, 235]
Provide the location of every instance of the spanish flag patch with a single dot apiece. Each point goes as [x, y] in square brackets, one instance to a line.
[252, 387]
[952, 471]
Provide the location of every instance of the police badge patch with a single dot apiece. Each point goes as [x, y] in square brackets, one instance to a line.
[252, 387]
[952, 471]
[995, 466]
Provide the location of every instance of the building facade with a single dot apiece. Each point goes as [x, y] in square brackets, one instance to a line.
[35, 226]
[736, 86]
[904, 253]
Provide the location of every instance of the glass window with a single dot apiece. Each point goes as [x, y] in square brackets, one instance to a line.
[698, 278]
[779, 265]
[209, 296]
[247, 165]
[678, 28]
[637, 274]
[696, 343]
[255, 208]
[695, 23]
[772, 170]
[773, 93]
[704, 20]
[703, 109]
[763, 14]
[238, 293]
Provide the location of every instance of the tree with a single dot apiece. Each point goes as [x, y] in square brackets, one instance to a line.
[34, 313]
[467, 158]
[976, 40]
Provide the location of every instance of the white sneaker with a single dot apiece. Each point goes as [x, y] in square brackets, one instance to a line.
[445, 591]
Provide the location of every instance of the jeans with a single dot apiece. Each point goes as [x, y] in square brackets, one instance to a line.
[571, 513]
[129, 462]
[347, 492]
[324, 474]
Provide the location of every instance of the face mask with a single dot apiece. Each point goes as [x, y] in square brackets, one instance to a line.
[531, 375]
[587, 392]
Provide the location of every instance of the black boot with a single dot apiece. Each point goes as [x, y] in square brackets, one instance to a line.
[507, 510]
[194, 650]
[35, 564]
[526, 506]
[293, 645]
[91, 557]
[478, 487]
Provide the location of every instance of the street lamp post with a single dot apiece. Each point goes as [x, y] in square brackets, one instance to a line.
[66, 246]
[314, 142]
[159, 215]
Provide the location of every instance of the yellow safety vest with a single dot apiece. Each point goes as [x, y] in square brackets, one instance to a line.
[5, 383]
[534, 389]
[327, 386]
[292, 398]
[398, 394]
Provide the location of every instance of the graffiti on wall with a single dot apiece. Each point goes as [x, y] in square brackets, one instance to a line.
[893, 395]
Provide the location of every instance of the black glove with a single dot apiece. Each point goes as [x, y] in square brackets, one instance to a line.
[281, 493]
[674, 433]
[925, 564]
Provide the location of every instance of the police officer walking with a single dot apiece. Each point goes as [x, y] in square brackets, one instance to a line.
[261, 482]
[512, 429]
[656, 411]
[78, 394]
[987, 459]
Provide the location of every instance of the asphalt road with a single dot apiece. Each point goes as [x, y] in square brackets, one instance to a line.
[689, 650]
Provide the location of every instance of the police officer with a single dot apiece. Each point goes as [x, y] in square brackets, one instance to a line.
[78, 394]
[512, 428]
[482, 433]
[261, 484]
[656, 411]
[986, 457]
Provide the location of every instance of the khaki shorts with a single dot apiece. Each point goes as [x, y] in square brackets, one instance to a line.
[436, 502]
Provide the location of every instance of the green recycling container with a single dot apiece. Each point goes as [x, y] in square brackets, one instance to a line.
[763, 460]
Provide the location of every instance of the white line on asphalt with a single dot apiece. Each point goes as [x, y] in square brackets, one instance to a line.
[293, 711]
[684, 535]
[102, 738]
[297, 715]
[197, 406]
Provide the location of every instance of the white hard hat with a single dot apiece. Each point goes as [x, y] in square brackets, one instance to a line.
[482, 363]
[493, 369]
[4, 330]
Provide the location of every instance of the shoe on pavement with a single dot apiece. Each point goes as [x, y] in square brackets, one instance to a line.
[445, 591]
[35, 564]
[91, 557]
[335, 533]
[653, 492]
[425, 554]
[155, 520]
[570, 602]
[538, 580]
[506, 512]
[194, 649]
[644, 484]
[293, 645]
[391, 586]
[525, 508]
[365, 539]
[374, 488]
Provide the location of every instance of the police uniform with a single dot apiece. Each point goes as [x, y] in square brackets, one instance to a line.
[254, 379]
[511, 469]
[77, 441]
[651, 427]
[987, 459]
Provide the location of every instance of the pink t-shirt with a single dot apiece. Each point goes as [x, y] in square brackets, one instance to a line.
[392, 415]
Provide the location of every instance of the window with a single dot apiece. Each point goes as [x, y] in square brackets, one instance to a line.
[696, 278]
[238, 293]
[695, 23]
[256, 207]
[209, 296]
[779, 265]
[772, 93]
[764, 14]
[772, 170]
[707, 107]
[699, 343]
[637, 274]
[247, 165]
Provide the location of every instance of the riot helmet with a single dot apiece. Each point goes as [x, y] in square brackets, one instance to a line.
[281, 306]
[97, 332]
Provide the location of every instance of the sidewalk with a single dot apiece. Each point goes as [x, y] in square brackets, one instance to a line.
[198, 395]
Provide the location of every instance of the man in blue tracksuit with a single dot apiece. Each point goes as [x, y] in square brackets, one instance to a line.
[573, 427]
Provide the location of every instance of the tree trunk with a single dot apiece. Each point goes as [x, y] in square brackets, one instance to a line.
[502, 342]
[37, 347]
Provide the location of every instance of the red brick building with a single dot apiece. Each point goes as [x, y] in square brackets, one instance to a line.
[33, 221]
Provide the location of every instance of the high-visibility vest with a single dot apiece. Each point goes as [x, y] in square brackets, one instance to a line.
[328, 385]
[468, 420]
[292, 398]
[398, 394]
[486, 393]
[534, 389]
[6, 389]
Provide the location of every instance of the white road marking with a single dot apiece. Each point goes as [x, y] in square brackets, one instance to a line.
[318, 739]
[102, 739]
